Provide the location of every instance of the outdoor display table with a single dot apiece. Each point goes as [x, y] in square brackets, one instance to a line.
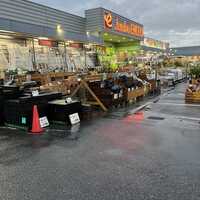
[18, 112]
[59, 110]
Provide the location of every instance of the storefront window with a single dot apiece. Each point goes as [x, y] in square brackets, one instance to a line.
[75, 55]
[15, 54]
[49, 59]
[92, 56]
[22, 55]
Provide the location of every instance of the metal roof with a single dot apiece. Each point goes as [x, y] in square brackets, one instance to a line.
[186, 51]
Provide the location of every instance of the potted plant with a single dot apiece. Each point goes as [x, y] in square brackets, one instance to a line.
[195, 72]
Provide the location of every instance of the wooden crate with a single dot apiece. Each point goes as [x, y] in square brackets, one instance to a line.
[192, 97]
[194, 81]
[134, 94]
[108, 98]
[40, 78]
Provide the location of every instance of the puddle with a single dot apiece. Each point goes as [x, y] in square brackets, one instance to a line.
[156, 118]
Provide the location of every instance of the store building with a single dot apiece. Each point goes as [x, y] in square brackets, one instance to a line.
[121, 36]
[36, 37]
[186, 54]
[153, 50]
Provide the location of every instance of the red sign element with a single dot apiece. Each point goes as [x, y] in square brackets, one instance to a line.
[108, 20]
[76, 45]
[48, 43]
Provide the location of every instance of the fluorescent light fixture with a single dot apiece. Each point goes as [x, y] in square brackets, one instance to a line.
[4, 31]
[43, 38]
[5, 37]
[59, 29]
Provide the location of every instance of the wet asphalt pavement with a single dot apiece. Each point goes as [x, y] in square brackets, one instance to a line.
[154, 154]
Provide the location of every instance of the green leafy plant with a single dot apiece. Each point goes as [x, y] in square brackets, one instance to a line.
[195, 72]
[178, 63]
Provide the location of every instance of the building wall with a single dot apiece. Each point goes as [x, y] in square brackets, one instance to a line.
[32, 13]
[31, 18]
[186, 51]
[95, 22]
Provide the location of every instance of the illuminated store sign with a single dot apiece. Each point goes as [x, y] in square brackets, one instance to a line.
[48, 43]
[122, 26]
[108, 20]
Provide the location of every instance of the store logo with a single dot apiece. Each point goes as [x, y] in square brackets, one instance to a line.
[108, 20]
[130, 28]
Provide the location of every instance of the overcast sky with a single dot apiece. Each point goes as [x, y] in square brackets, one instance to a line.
[175, 21]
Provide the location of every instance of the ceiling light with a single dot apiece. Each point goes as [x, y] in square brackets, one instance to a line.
[59, 29]
[43, 38]
[6, 31]
[6, 37]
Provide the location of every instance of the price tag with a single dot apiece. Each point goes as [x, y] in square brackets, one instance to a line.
[116, 96]
[102, 85]
[23, 120]
[44, 122]
[35, 93]
[74, 118]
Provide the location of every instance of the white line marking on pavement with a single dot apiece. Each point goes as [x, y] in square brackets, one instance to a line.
[190, 118]
[179, 104]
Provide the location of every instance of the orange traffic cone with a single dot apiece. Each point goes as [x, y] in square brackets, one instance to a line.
[36, 127]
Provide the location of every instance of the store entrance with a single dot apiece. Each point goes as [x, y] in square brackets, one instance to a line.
[119, 51]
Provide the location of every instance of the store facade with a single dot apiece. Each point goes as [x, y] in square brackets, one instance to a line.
[34, 37]
[121, 36]
[153, 50]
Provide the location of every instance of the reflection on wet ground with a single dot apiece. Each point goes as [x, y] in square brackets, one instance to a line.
[152, 153]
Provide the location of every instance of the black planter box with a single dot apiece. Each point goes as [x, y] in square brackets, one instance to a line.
[1, 109]
[59, 111]
[18, 112]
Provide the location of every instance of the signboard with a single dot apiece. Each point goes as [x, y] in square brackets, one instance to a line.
[76, 45]
[48, 43]
[35, 93]
[74, 118]
[108, 20]
[24, 120]
[116, 23]
[44, 122]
